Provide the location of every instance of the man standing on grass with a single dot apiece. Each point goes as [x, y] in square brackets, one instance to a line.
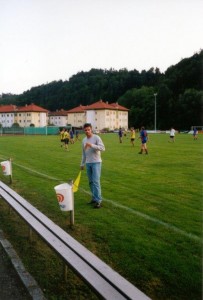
[92, 146]
[120, 135]
[61, 132]
[172, 135]
[195, 133]
[66, 137]
[144, 138]
[132, 136]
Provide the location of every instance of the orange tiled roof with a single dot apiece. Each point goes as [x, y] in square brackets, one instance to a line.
[32, 108]
[8, 108]
[61, 112]
[105, 105]
[119, 107]
[78, 109]
[98, 106]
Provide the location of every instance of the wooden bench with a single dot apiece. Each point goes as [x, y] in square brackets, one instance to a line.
[101, 278]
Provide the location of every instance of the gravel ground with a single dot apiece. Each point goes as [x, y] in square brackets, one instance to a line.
[11, 287]
[15, 282]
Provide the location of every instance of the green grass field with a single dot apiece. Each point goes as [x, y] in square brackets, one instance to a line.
[149, 228]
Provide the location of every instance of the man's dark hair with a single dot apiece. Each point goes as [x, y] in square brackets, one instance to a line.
[87, 125]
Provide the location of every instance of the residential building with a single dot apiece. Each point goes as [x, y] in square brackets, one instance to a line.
[31, 114]
[58, 118]
[77, 116]
[24, 116]
[100, 114]
[7, 114]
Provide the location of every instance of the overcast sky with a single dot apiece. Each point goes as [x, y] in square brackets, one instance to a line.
[46, 40]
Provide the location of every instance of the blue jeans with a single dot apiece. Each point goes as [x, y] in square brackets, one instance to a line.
[94, 174]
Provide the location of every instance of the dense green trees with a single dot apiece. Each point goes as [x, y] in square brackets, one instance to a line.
[179, 93]
[141, 102]
[181, 113]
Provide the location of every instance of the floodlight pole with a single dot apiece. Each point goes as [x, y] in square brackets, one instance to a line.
[155, 112]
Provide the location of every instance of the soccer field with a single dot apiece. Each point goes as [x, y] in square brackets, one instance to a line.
[149, 228]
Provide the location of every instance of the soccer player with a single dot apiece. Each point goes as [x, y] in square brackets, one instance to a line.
[172, 135]
[195, 133]
[71, 136]
[144, 139]
[66, 139]
[132, 136]
[120, 135]
[61, 132]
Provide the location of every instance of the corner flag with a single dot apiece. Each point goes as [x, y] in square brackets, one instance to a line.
[76, 183]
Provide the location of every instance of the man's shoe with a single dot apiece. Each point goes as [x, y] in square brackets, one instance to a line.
[91, 202]
[97, 205]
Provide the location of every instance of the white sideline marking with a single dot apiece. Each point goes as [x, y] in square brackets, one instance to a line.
[135, 212]
[36, 172]
[152, 219]
[155, 220]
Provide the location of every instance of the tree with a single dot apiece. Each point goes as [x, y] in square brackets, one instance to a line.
[191, 106]
[165, 107]
[141, 105]
[135, 90]
[15, 125]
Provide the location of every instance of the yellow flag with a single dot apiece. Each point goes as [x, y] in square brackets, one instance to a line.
[76, 183]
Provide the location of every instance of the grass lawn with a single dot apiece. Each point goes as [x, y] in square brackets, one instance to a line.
[149, 228]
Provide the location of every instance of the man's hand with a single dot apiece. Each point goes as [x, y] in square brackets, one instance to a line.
[88, 145]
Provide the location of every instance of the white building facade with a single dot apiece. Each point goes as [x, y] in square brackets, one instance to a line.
[23, 116]
[101, 115]
[58, 118]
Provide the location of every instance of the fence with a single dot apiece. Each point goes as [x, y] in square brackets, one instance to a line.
[47, 130]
